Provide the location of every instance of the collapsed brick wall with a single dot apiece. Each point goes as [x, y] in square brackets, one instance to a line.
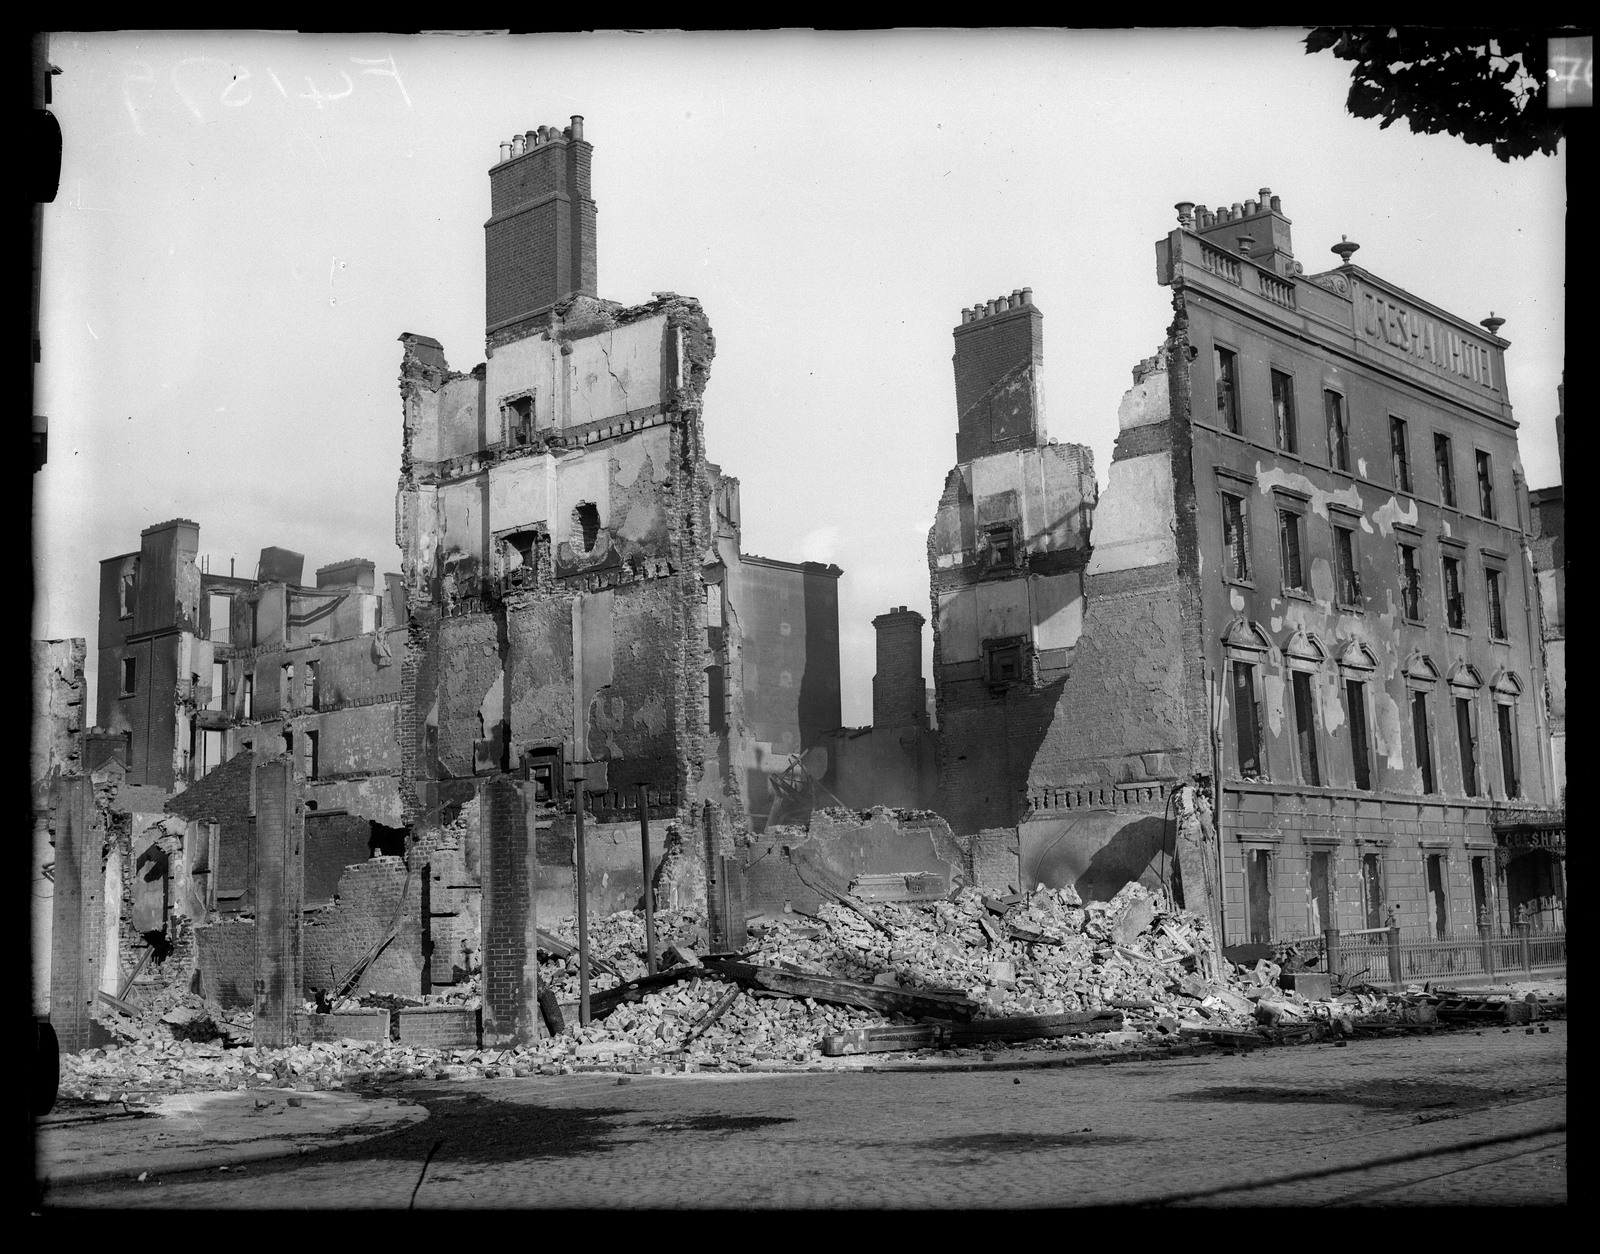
[371, 894]
[333, 843]
[223, 797]
[453, 930]
[510, 965]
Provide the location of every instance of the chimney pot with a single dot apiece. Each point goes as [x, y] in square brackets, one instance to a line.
[1016, 298]
[505, 150]
[1237, 211]
[518, 146]
[988, 309]
[577, 126]
[1266, 196]
[1027, 296]
[1249, 208]
[1002, 303]
[1277, 204]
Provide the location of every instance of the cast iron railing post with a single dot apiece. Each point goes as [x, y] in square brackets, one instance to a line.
[1394, 954]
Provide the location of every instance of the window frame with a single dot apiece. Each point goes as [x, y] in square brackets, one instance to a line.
[1484, 467]
[1284, 418]
[1379, 881]
[1258, 853]
[1455, 608]
[1411, 585]
[1494, 585]
[1297, 513]
[1346, 533]
[1444, 470]
[1400, 456]
[1505, 693]
[1255, 687]
[227, 617]
[1336, 417]
[1422, 739]
[1232, 576]
[1438, 903]
[1463, 700]
[1361, 765]
[1319, 920]
[129, 679]
[1225, 364]
[996, 647]
[1306, 720]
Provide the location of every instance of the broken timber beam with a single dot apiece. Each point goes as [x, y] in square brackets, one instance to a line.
[709, 1019]
[602, 1004]
[116, 1003]
[811, 878]
[827, 988]
[559, 948]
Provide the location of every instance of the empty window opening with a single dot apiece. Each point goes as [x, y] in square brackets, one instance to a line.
[1305, 721]
[1258, 892]
[1497, 607]
[586, 525]
[1504, 717]
[544, 769]
[1444, 466]
[288, 743]
[713, 605]
[1246, 719]
[1283, 411]
[1410, 583]
[287, 693]
[1420, 733]
[314, 685]
[219, 685]
[125, 595]
[716, 701]
[1372, 888]
[1469, 754]
[1005, 663]
[1455, 609]
[247, 698]
[1485, 485]
[1480, 894]
[1344, 556]
[1226, 364]
[130, 674]
[1338, 431]
[1399, 455]
[219, 609]
[1360, 753]
[255, 624]
[1438, 898]
[519, 414]
[211, 752]
[1289, 544]
[1002, 541]
[1236, 537]
[1321, 903]
[312, 762]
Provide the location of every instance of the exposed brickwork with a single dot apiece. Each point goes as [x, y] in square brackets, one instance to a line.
[997, 360]
[279, 872]
[440, 1027]
[509, 968]
[899, 692]
[77, 929]
[226, 956]
[354, 1025]
[370, 895]
[539, 243]
[333, 842]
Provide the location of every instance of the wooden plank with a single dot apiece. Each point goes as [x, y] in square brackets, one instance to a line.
[560, 949]
[1031, 935]
[708, 1020]
[883, 1041]
[1037, 1027]
[116, 1003]
[827, 988]
[601, 1004]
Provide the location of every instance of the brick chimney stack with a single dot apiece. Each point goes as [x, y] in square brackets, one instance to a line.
[899, 696]
[539, 241]
[999, 363]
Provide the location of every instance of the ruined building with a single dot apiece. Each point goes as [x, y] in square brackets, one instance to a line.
[1306, 580]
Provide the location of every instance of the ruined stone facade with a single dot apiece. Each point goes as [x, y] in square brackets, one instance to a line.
[1308, 582]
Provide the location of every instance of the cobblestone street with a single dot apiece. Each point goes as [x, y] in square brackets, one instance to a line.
[1458, 1118]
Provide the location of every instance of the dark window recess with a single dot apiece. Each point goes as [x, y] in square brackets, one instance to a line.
[1227, 370]
[544, 769]
[587, 521]
[1344, 553]
[1289, 546]
[1005, 662]
[1360, 753]
[313, 764]
[1455, 610]
[1322, 915]
[1438, 897]
[1399, 457]
[1305, 721]
[1419, 733]
[1445, 468]
[288, 743]
[125, 596]
[386, 842]
[1283, 411]
[716, 701]
[255, 624]
[314, 685]
[1259, 893]
[1480, 892]
[130, 675]
[1464, 737]
[1485, 485]
[1410, 583]
[520, 413]
[1497, 608]
[1236, 537]
[1338, 431]
[1372, 887]
[1508, 749]
[1002, 547]
[1247, 719]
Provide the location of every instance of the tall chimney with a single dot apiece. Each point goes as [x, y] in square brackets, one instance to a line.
[899, 696]
[999, 364]
[539, 241]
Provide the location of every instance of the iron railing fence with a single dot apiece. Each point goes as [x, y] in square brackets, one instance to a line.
[1400, 956]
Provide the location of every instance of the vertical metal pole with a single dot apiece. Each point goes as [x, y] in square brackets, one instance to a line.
[1330, 945]
[649, 888]
[583, 908]
[1394, 954]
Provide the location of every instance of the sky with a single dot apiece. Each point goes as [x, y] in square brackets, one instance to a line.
[247, 223]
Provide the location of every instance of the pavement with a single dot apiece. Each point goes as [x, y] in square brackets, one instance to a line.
[215, 1131]
[1463, 1117]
